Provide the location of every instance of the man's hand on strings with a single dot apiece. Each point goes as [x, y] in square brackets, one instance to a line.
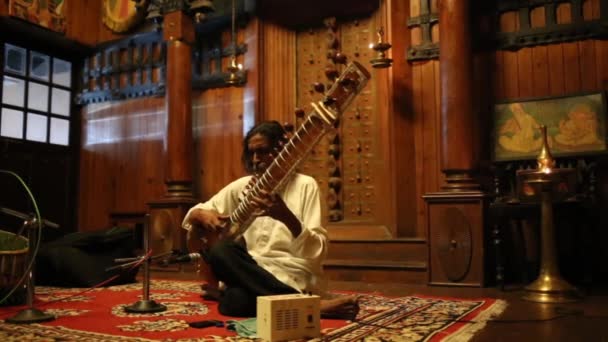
[267, 204]
[209, 219]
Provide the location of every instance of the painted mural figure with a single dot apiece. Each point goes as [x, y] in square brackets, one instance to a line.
[46, 13]
[579, 128]
[520, 133]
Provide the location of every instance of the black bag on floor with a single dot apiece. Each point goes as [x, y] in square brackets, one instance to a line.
[81, 259]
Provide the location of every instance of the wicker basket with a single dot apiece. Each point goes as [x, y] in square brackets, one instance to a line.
[13, 259]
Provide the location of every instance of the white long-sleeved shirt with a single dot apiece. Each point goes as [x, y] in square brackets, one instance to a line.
[296, 261]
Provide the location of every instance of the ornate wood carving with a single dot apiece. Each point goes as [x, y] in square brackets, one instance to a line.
[334, 57]
[130, 68]
[343, 163]
[136, 66]
[208, 56]
[578, 28]
[425, 21]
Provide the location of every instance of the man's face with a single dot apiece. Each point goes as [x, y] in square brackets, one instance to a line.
[262, 153]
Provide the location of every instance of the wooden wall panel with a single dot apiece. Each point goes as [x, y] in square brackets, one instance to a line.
[218, 132]
[555, 63]
[426, 106]
[554, 69]
[426, 115]
[418, 119]
[221, 117]
[601, 70]
[4, 7]
[539, 56]
[525, 77]
[278, 89]
[120, 167]
[427, 122]
[402, 156]
[589, 80]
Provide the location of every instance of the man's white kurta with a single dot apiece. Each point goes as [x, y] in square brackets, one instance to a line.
[294, 261]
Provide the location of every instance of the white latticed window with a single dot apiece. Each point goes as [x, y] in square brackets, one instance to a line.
[36, 93]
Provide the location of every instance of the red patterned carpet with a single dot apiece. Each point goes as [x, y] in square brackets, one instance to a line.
[98, 315]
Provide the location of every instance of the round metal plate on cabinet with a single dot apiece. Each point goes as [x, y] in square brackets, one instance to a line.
[161, 232]
[455, 244]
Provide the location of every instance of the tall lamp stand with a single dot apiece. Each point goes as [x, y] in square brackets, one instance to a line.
[549, 287]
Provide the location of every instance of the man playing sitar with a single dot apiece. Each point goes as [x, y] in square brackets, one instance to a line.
[283, 247]
[262, 235]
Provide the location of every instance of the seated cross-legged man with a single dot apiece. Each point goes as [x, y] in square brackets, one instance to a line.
[283, 248]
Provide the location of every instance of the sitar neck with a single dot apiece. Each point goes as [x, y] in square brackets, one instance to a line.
[323, 117]
[282, 167]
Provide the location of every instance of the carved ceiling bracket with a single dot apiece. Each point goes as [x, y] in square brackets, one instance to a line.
[136, 66]
[578, 28]
[552, 32]
[133, 67]
[427, 49]
[208, 56]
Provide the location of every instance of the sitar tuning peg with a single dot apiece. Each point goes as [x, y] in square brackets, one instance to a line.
[319, 87]
[299, 113]
[346, 82]
[339, 58]
[328, 101]
[331, 73]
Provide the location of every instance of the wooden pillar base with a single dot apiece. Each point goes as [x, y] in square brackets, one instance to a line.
[460, 181]
[457, 239]
[166, 233]
[179, 189]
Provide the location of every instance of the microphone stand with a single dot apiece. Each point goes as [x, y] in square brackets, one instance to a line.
[31, 314]
[146, 305]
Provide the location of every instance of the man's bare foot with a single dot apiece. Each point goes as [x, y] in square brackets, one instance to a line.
[210, 292]
[342, 307]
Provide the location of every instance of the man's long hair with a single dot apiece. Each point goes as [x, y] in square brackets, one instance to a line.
[272, 130]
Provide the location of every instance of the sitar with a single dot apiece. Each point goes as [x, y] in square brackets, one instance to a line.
[323, 118]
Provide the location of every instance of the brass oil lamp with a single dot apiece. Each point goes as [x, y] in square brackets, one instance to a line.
[549, 287]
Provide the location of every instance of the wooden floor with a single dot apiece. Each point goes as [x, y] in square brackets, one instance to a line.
[522, 321]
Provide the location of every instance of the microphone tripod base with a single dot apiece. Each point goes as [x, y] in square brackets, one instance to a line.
[145, 306]
[30, 316]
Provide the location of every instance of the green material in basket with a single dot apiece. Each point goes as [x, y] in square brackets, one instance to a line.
[11, 242]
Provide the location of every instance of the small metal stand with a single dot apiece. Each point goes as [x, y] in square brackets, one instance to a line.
[31, 314]
[146, 305]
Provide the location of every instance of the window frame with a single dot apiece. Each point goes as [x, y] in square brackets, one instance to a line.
[73, 123]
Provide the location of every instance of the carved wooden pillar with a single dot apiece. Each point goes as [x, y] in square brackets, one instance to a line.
[457, 110]
[166, 213]
[178, 33]
[455, 216]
